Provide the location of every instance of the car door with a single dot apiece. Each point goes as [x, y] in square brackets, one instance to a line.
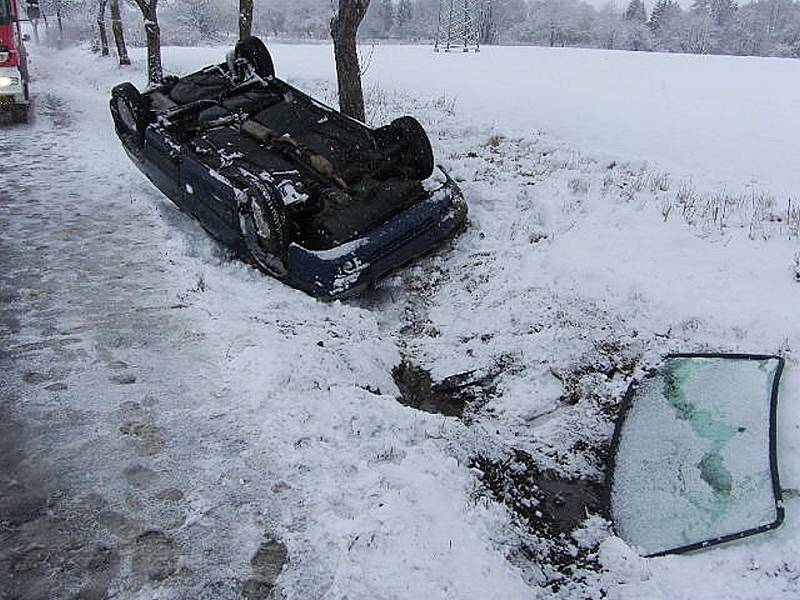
[211, 198]
[163, 157]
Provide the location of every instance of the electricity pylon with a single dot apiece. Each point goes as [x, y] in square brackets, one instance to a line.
[459, 26]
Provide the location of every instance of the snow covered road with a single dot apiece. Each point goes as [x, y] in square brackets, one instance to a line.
[122, 453]
[176, 425]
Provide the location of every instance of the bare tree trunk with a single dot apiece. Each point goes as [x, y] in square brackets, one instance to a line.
[101, 27]
[60, 39]
[344, 27]
[119, 34]
[245, 18]
[348, 75]
[34, 13]
[155, 72]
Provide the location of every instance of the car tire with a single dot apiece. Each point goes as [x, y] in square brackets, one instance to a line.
[415, 148]
[253, 50]
[263, 222]
[19, 114]
[130, 113]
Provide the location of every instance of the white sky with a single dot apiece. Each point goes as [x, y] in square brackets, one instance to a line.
[621, 4]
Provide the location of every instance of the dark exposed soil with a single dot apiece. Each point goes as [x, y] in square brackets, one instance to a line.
[551, 507]
[450, 397]
[542, 499]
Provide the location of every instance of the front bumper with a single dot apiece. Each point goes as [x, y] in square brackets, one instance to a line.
[347, 269]
[15, 92]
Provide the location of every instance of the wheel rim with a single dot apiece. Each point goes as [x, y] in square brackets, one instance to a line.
[248, 69]
[262, 225]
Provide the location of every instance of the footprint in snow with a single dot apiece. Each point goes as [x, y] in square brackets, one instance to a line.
[139, 476]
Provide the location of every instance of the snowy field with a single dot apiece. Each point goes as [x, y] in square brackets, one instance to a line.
[193, 429]
[721, 120]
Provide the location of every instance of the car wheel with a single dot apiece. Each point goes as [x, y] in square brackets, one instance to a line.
[405, 141]
[130, 112]
[253, 50]
[19, 114]
[262, 218]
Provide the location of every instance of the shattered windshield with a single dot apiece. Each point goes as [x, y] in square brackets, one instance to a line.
[694, 460]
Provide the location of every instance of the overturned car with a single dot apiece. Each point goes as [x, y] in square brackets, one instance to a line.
[308, 195]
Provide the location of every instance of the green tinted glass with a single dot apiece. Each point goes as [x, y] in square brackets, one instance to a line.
[694, 461]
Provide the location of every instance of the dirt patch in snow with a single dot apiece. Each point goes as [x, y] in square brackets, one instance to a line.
[552, 508]
[454, 396]
[542, 499]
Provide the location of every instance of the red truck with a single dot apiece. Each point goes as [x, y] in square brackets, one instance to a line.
[13, 65]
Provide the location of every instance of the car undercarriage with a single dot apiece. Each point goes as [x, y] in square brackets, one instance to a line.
[267, 169]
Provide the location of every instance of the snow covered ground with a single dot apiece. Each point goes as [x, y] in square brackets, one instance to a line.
[192, 429]
[721, 120]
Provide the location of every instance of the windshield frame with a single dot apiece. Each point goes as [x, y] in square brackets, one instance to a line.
[773, 451]
[5, 12]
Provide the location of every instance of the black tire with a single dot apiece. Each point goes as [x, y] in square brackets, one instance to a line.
[406, 142]
[19, 113]
[130, 112]
[253, 50]
[262, 219]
